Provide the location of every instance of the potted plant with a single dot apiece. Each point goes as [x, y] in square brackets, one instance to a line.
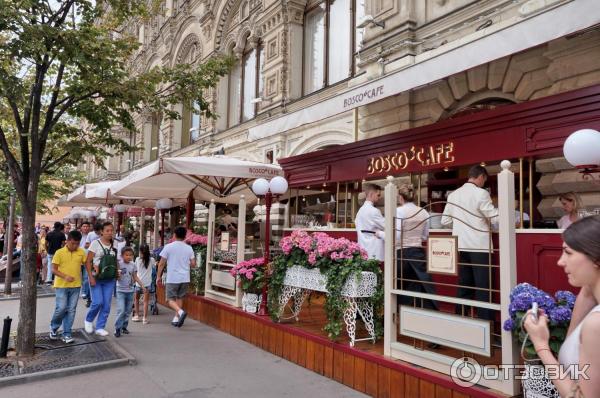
[559, 311]
[341, 264]
[252, 277]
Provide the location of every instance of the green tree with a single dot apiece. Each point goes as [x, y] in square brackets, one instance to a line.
[64, 84]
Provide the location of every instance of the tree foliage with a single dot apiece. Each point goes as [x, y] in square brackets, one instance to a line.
[67, 90]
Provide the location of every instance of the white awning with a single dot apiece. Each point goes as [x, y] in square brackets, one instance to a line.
[497, 41]
[216, 177]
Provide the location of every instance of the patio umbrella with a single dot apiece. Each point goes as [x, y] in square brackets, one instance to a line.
[221, 178]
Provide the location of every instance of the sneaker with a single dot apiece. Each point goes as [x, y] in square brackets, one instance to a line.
[101, 332]
[181, 319]
[117, 333]
[88, 302]
[53, 334]
[136, 318]
[145, 321]
[68, 339]
[89, 327]
[124, 331]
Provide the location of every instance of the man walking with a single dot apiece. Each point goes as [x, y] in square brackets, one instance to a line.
[471, 208]
[370, 224]
[66, 265]
[85, 284]
[180, 257]
[54, 241]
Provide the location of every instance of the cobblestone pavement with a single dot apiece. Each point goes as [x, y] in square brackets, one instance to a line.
[194, 361]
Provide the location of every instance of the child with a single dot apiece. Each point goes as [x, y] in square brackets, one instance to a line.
[126, 277]
[144, 265]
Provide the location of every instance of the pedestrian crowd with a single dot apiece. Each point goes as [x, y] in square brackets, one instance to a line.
[97, 264]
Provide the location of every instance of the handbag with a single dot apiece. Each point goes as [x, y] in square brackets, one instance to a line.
[536, 383]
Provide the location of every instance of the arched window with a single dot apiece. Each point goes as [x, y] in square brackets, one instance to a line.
[329, 36]
[244, 86]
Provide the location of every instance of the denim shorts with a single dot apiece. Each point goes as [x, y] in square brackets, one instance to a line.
[176, 290]
[139, 290]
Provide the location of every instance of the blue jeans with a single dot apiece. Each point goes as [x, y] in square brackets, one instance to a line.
[49, 275]
[64, 313]
[101, 300]
[85, 283]
[124, 304]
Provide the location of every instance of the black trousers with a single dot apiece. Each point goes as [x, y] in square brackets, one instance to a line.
[413, 266]
[476, 276]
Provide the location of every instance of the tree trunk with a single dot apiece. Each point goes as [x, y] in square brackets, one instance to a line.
[27, 308]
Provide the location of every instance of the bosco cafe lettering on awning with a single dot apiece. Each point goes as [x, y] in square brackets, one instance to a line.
[415, 156]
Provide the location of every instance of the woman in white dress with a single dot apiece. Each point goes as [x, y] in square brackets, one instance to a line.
[570, 203]
[581, 262]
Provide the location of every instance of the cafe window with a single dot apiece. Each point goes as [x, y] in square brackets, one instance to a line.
[245, 86]
[328, 44]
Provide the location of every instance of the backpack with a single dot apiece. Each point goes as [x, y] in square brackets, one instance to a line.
[107, 269]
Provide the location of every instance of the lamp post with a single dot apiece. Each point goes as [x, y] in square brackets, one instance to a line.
[267, 189]
[163, 205]
[582, 150]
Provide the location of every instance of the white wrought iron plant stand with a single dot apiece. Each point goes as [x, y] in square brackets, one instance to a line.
[299, 282]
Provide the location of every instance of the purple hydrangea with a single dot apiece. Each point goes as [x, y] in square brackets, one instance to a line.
[565, 297]
[545, 301]
[521, 302]
[508, 325]
[561, 314]
[523, 288]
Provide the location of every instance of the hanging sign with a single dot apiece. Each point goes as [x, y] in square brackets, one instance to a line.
[225, 241]
[428, 155]
[442, 255]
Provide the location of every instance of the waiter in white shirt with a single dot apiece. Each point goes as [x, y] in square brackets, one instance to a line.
[472, 226]
[370, 224]
[412, 229]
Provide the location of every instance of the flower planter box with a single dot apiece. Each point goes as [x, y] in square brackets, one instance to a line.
[299, 282]
[223, 279]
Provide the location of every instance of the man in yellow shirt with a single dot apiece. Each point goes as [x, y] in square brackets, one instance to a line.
[66, 266]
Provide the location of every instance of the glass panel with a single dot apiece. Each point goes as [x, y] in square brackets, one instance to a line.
[235, 86]
[261, 68]
[195, 124]
[314, 49]
[339, 41]
[360, 14]
[249, 84]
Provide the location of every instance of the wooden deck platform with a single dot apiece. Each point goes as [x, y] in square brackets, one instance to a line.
[363, 367]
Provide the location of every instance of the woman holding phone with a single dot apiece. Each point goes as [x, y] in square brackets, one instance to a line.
[580, 260]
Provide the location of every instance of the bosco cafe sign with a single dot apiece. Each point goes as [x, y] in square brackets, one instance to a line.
[427, 155]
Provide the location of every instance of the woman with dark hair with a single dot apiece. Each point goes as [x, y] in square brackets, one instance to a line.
[580, 260]
[101, 266]
[144, 265]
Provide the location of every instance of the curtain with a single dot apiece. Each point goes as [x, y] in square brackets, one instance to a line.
[339, 39]
[314, 49]
[249, 85]
[235, 82]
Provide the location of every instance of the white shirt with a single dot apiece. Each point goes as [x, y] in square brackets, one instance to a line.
[416, 226]
[178, 255]
[564, 222]
[369, 218]
[143, 273]
[468, 227]
[91, 237]
[83, 241]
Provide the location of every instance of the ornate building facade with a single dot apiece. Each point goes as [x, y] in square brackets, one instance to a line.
[296, 56]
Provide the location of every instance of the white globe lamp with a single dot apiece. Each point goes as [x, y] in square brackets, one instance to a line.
[120, 208]
[164, 204]
[260, 187]
[278, 185]
[582, 149]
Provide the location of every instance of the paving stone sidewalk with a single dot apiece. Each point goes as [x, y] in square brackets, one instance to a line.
[194, 361]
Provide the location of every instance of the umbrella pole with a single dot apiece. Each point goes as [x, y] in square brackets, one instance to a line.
[189, 211]
[162, 222]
